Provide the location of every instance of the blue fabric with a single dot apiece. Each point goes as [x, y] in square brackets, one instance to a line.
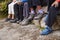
[46, 31]
[24, 0]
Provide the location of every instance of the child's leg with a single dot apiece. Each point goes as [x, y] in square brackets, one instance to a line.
[39, 9]
[25, 10]
[32, 10]
[9, 16]
[12, 9]
[9, 11]
[39, 6]
[13, 16]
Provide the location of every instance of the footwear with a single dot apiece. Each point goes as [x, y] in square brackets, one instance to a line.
[28, 20]
[38, 16]
[8, 19]
[46, 31]
[13, 21]
[31, 16]
[25, 22]
[19, 21]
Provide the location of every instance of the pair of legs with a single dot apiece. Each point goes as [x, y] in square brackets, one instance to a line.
[52, 12]
[36, 3]
[21, 11]
[33, 5]
[11, 11]
[18, 9]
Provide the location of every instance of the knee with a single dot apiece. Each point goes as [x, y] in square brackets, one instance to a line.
[52, 8]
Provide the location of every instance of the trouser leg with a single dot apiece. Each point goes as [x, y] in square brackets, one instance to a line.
[16, 10]
[25, 10]
[51, 16]
[49, 3]
[20, 12]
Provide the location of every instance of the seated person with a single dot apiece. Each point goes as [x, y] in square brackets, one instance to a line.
[11, 10]
[33, 5]
[54, 6]
[25, 9]
[21, 10]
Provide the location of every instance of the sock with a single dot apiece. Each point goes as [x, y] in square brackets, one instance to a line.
[40, 11]
[32, 11]
[46, 26]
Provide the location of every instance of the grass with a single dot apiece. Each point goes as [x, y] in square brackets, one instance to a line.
[3, 16]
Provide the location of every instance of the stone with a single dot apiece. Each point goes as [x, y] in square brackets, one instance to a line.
[14, 31]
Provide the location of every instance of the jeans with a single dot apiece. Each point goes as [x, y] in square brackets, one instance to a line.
[52, 12]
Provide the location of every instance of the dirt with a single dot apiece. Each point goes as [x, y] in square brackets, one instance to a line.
[14, 31]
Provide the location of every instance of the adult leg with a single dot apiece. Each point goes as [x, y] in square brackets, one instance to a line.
[51, 16]
[49, 2]
[50, 20]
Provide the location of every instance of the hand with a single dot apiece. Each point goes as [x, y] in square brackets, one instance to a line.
[19, 3]
[55, 4]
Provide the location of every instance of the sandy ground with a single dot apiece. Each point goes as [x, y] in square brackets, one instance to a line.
[13, 31]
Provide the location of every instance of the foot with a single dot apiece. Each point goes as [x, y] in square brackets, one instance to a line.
[25, 22]
[31, 16]
[38, 16]
[19, 21]
[13, 21]
[46, 31]
[28, 20]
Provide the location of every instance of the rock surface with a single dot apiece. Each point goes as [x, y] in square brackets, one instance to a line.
[13, 31]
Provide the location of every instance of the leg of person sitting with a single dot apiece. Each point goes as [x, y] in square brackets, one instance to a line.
[9, 12]
[39, 9]
[29, 19]
[25, 10]
[16, 11]
[32, 8]
[31, 16]
[20, 12]
[12, 9]
[50, 18]
[49, 2]
[39, 6]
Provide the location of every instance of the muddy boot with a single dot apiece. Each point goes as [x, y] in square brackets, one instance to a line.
[31, 17]
[28, 20]
[37, 19]
[38, 16]
[19, 21]
[14, 21]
